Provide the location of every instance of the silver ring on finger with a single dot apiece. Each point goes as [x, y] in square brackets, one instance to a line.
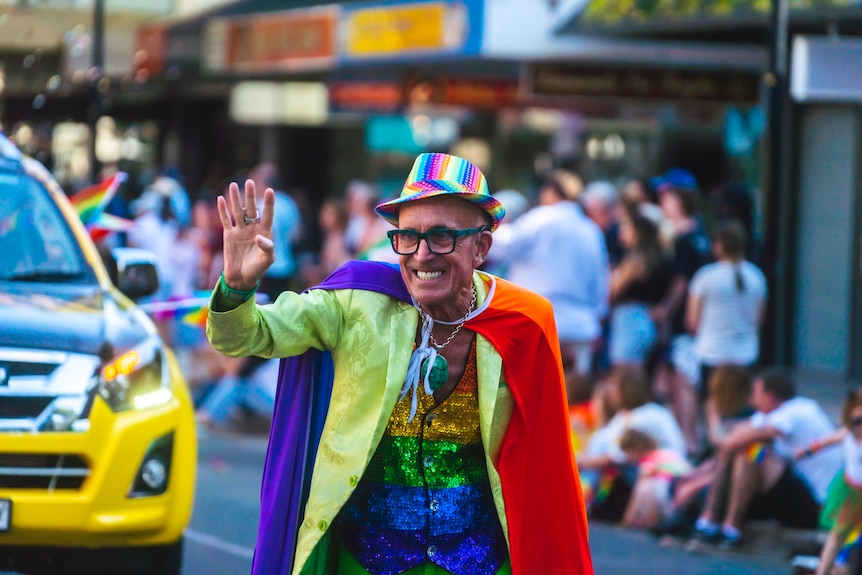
[247, 220]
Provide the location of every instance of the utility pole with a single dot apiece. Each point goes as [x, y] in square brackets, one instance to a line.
[779, 211]
[95, 75]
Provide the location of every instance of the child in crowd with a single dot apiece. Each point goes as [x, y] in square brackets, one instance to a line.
[650, 501]
[842, 511]
[605, 470]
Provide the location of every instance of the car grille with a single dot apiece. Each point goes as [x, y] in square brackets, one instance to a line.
[20, 407]
[42, 471]
[45, 391]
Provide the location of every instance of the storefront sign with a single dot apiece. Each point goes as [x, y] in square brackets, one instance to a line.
[366, 96]
[151, 49]
[826, 69]
[412, 28]
[285, 40]
[466, 92]
[390, 95]
[481, 93]
[575, 81]
[298, 103]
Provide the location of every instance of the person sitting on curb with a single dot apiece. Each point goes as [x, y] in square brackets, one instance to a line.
[605, 468]
[755, 474]
[650, 501]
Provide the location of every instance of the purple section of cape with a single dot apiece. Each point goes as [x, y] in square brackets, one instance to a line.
[304, 388]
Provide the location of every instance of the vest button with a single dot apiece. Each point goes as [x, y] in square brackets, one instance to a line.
[354, 479]
[432, 551]
[434, 505]
[428, 461]
[430, 418]
[321, 525]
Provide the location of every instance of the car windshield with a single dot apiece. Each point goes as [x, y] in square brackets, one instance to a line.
[35, 242]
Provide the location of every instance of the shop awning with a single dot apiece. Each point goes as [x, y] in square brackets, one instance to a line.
[724, 21]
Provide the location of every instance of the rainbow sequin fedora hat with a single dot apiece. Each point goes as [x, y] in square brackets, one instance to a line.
[443, 174]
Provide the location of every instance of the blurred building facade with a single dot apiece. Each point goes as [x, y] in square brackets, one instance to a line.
[331, 91]
[807, 155]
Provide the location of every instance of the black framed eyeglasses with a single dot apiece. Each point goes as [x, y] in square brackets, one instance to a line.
[440, 242]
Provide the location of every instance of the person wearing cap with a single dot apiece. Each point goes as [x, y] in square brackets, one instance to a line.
[420, 423]
[679, 199]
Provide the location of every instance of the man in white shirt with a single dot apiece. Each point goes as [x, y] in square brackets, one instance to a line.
[557, 251]
[755, 471]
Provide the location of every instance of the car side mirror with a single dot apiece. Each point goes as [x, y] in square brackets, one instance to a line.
[137, 276]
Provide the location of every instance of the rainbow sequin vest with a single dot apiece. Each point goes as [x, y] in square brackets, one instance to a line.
[425, 496]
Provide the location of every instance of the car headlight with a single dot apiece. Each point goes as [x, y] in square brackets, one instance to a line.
[138, 378]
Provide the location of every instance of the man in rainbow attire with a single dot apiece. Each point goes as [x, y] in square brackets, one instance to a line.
[420, 425]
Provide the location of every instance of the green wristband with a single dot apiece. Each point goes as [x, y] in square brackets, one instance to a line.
[235, 294]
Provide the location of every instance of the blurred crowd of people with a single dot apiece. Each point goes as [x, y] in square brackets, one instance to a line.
[658, 303]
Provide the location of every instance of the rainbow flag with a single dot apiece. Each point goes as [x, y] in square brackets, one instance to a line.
[196, 317]
[193, 311]
[90, 202]
[9, 223]
[756, 452]
[596, 495]
[105, 224]
[853, 540]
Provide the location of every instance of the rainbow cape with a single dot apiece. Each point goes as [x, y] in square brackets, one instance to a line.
[90, 202]
[541, 487]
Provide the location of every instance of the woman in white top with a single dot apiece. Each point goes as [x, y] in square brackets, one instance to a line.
[725, 305]
[842, 511]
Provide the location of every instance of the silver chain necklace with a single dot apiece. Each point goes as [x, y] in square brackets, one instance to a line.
[434, 368]
[461, 322]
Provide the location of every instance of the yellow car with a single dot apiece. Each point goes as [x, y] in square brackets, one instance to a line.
[97, 434]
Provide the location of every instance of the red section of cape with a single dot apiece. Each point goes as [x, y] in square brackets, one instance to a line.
[545, 509]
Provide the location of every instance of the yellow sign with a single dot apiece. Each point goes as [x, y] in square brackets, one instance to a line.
[391, 30]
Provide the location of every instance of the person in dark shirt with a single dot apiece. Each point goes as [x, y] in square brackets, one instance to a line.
[677, 367]
[637, 284]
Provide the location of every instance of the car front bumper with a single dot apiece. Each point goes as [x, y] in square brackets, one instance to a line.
[102, 511]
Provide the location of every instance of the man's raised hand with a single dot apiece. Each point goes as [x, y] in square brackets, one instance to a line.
[248, 250]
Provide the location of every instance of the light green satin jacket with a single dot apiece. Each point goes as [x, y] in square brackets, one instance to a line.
[371, 338]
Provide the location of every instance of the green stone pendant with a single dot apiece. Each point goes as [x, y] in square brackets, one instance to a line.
[439, 372]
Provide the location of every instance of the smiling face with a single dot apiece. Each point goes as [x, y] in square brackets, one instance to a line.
[442, 284]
